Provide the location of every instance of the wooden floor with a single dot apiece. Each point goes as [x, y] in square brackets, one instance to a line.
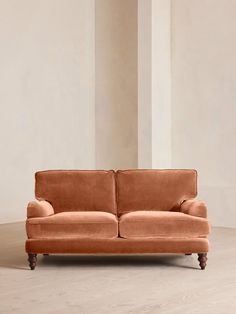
[117, 284]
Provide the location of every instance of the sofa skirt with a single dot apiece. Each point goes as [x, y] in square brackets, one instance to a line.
[117, 246]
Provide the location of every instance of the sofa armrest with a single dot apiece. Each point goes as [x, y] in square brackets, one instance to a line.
[39, 209]
[194, 207]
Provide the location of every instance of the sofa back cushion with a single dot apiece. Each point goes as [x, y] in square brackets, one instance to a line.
[154, 189]
[77, 190]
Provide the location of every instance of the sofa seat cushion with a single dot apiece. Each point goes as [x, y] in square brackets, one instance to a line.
[98, 225]
[155, 224]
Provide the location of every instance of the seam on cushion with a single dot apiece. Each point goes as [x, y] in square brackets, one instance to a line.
[72, 170]
[122, 238]
[162, 223]
[79, 238]
[163, 237]
[152, 211]
[144, 210]
[84, 211]
[70, 223]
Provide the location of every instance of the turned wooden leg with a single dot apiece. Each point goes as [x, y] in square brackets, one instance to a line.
[32, 260]
[202, 257]
[188, 253]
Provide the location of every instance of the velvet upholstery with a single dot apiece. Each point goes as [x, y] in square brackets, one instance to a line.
[117, 246]
[155, 224]
[82, 190]
[78, 225]
[39, 209]
[123, 212]
[194, 207]
[161, 190]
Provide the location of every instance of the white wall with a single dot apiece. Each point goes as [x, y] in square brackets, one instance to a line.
[48, 105]
[46, 94]
[204, 100]
[161, 84]
[116, 84]
[145, 83]
[154, 84]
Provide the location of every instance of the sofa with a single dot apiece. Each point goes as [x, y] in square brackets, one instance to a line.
[116, 212]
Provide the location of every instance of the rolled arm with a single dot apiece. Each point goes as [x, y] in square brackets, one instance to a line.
[39, 209]
[194, 207]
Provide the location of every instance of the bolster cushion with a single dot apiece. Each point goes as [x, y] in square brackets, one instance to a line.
[39, 209]
[194, 207]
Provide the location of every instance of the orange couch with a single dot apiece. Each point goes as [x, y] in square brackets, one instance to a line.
[122, 212]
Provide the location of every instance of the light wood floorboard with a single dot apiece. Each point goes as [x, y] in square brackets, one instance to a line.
[157, 284]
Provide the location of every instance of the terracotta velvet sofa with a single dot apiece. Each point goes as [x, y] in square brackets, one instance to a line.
[116, 212]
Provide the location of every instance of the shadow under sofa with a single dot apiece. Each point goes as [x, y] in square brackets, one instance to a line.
[116, 212]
